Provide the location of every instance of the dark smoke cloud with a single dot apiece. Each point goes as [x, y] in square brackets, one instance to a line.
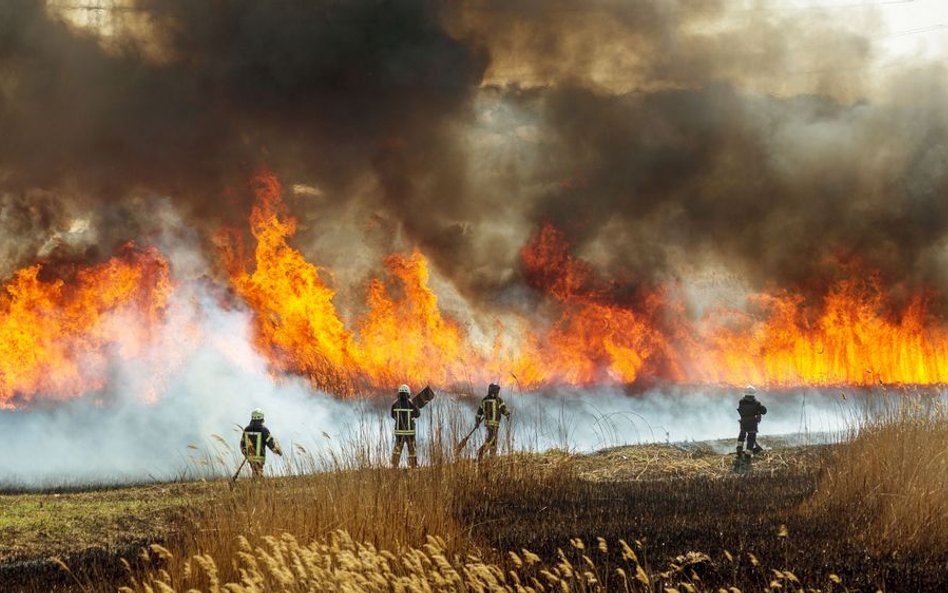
[773, 143]
[764, 139]
[778, 186]
[333, 89]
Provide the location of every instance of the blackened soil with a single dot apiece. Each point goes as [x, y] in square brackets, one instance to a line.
[752, 516]
[93, 566]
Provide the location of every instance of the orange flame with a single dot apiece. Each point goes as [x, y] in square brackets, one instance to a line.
[594, 340]
[595, 337]
[297, 327]
[56, 337]
[408, 339]
[849, 340]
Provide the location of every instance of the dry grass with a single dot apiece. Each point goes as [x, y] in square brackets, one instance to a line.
[339, 563]
[444, 526]
[350, 487]
[891, 480]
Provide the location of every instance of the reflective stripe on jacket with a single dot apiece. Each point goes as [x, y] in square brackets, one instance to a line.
[255, 440]
[491, 409]
[404, 411]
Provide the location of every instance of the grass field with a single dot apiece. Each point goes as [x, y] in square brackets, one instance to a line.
[868, 514]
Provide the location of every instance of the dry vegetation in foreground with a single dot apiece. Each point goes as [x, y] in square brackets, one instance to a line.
[340, 564]
[891, 481]
[523, 522]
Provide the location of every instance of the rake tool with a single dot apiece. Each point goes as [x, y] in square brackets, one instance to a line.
[460, 446]
[237, 473]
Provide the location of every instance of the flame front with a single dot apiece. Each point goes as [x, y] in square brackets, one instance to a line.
[57, 337]
[299, 329]
[582, 334]
[408, 339]
[297, 326]
[593, 340]
[848, 340]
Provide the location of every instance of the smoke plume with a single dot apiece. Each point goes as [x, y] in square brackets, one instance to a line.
[768, 140]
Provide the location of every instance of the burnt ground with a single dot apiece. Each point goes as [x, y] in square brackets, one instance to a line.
[672, 499]
[691, 500]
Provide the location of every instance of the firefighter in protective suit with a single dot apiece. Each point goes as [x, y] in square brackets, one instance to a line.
[490, 411]
[404, 412]
[255, 441]
[750, 411]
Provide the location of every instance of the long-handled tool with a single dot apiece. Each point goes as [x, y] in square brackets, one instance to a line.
[460, 446]
[237, 473]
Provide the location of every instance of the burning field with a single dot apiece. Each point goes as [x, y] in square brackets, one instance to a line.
[64, 325]
[622, 212]
[433, 195]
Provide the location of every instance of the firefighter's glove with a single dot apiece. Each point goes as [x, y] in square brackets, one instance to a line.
[278, 451]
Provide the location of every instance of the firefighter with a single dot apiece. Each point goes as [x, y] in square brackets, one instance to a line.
[490, 411]
[750, 411]
[254, 442]
[404, 412]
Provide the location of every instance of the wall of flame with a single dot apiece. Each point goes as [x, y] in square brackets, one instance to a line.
[59, 334]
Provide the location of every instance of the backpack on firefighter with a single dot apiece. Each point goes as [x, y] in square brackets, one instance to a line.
[254, 442]
[750, 412]
[404, 412]
[490, 411]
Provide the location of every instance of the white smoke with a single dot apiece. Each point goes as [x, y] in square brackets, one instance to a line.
[589, 419]
[176, 412]
[115, 436]
[124, 439]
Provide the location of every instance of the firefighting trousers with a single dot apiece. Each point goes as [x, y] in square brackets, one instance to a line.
[751, 436]
[490, 443]
[402, 440]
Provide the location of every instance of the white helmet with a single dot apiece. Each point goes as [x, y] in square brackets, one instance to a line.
[750, 390]
[403, 389]
[256, 414]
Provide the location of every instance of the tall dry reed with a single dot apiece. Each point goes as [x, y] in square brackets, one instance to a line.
[890, 482]
[350, 486]
[340, 563]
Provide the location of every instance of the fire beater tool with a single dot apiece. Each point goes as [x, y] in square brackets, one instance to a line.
[460, 445]
[237, 473]
[424, 396]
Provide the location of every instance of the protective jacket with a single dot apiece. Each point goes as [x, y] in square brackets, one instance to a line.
[491, 409]
[750, 411]
[404, 411]
[255, 440]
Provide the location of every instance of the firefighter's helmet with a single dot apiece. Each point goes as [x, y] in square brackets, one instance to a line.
[750, 390]
[403, 389]
[493, 389]
[256, 414]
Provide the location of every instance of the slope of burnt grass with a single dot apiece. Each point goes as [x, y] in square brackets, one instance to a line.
[753, 518]
[672, 499]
